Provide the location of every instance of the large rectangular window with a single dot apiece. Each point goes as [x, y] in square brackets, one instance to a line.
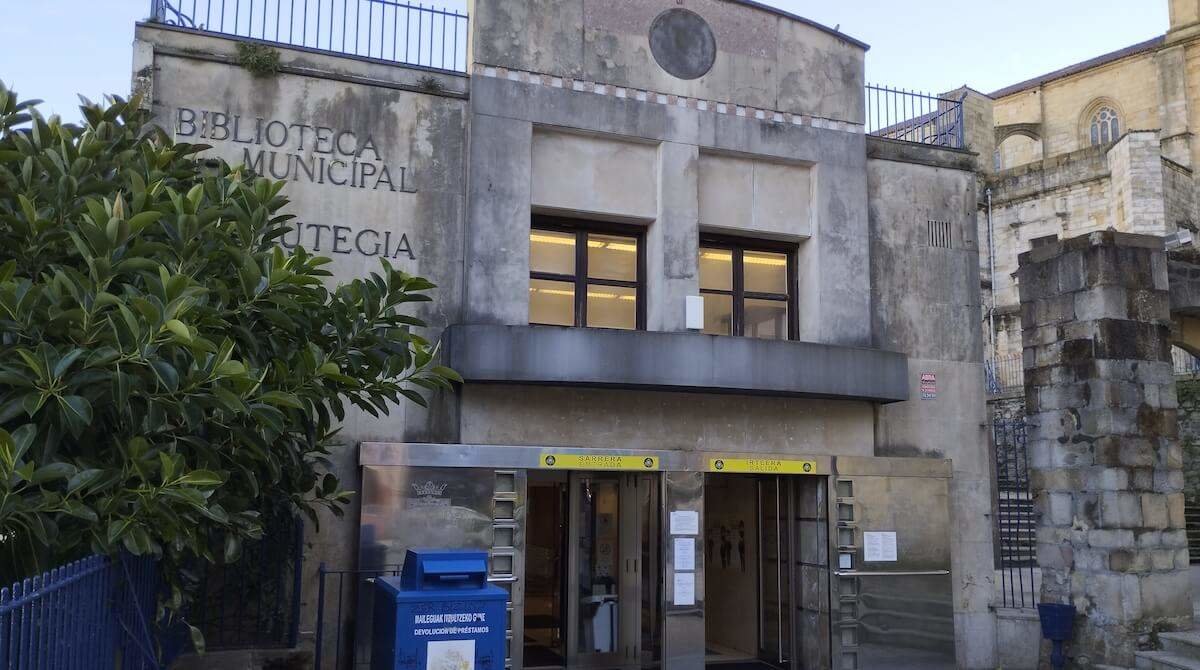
[748, 288]
[584, 273]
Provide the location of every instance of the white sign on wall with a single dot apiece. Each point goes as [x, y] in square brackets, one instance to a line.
[879, 546]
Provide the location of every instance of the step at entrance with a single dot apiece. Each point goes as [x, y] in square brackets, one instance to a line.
[1180, 651]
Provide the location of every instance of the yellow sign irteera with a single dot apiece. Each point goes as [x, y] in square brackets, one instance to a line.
[770, 466]
[598, 462]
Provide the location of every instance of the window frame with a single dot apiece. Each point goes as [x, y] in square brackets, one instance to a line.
[738, 246]
[581, 228]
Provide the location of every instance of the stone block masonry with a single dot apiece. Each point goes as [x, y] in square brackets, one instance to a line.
[1104, 449]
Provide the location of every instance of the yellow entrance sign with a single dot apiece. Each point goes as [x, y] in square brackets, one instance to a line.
[770, 466]
[598, 462]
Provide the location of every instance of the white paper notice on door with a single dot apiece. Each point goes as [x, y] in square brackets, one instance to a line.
[685, 553]
[685, 588]
[879, 547]
[685, 523]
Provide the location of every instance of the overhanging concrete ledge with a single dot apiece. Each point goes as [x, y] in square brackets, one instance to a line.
[549, 355]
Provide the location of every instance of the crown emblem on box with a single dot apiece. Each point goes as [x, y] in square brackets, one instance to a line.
[429, 488]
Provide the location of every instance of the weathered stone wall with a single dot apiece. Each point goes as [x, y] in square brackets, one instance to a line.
[1179, 191]
[1104, 454]
[1125, 187]
[763, 60]
[1188, 392]
[1017, 150]
[1131, 85]
[1137, 202]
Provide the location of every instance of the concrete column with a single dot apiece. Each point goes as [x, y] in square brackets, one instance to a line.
[1137, 204]
[143, 73]
[979, 127]
[1104, 455]
[673, 241]
[497, 255]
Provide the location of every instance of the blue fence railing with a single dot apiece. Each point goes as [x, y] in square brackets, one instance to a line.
[909, 116]
[93, 614]
[421, 35]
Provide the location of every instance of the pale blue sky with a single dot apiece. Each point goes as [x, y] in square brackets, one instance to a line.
[53, 49]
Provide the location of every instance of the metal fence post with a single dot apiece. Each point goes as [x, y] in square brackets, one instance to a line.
[297, 580]
[320, 616]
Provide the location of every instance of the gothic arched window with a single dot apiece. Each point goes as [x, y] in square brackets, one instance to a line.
[1106, 127]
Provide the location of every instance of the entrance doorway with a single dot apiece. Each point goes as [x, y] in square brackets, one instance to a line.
[591, 570]
[766, 572]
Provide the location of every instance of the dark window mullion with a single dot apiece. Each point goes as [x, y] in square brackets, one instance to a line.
[739, 307]
[613, 282]
[581, 271]
[764, 296]
[552, 276]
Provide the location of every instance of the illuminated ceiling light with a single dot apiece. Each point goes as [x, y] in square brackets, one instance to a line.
[614, 246]
[774, 262]
[551, 291]
[551, 239]
[752, 260]
[591, 294]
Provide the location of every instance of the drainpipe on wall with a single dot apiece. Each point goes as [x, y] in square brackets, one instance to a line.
[992, 271]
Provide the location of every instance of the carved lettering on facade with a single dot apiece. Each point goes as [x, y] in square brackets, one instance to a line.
[323, 238]
[298, 151]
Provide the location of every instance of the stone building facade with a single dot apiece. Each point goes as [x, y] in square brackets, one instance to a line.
[682, 384]
[1104, 144]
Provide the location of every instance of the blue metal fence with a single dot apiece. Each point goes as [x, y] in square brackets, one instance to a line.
[389, 30]
[910, 116]
[93, 614]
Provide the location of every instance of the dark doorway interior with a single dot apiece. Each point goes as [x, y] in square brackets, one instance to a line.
[545, 611]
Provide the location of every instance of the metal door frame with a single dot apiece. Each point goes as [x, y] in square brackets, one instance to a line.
[785, 510]
[629, 565]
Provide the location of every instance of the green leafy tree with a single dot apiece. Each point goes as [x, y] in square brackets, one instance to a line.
[168, 374]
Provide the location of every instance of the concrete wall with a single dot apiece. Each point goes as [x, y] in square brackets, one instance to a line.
[763, 60]
[507, 117]
[602, 419]
[925, 303]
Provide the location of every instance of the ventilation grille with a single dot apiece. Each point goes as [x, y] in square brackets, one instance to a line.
[940, 234]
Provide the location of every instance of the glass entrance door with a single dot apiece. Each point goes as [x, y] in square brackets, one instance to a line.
[775, 572]
[610, 524]
[793, 585]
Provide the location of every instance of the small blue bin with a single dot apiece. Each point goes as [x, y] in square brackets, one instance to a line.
[440, 613]
[1057, 621]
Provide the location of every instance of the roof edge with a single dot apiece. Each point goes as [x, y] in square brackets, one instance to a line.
[1061, 73]
[809, 22]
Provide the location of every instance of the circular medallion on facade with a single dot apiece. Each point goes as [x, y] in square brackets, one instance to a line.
[683, 44]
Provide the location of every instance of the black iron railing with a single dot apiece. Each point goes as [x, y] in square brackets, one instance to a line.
[1004, 375]
[1016, 523]
[255, 602]
[910, 116]
[421, 35]
[343, 605]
